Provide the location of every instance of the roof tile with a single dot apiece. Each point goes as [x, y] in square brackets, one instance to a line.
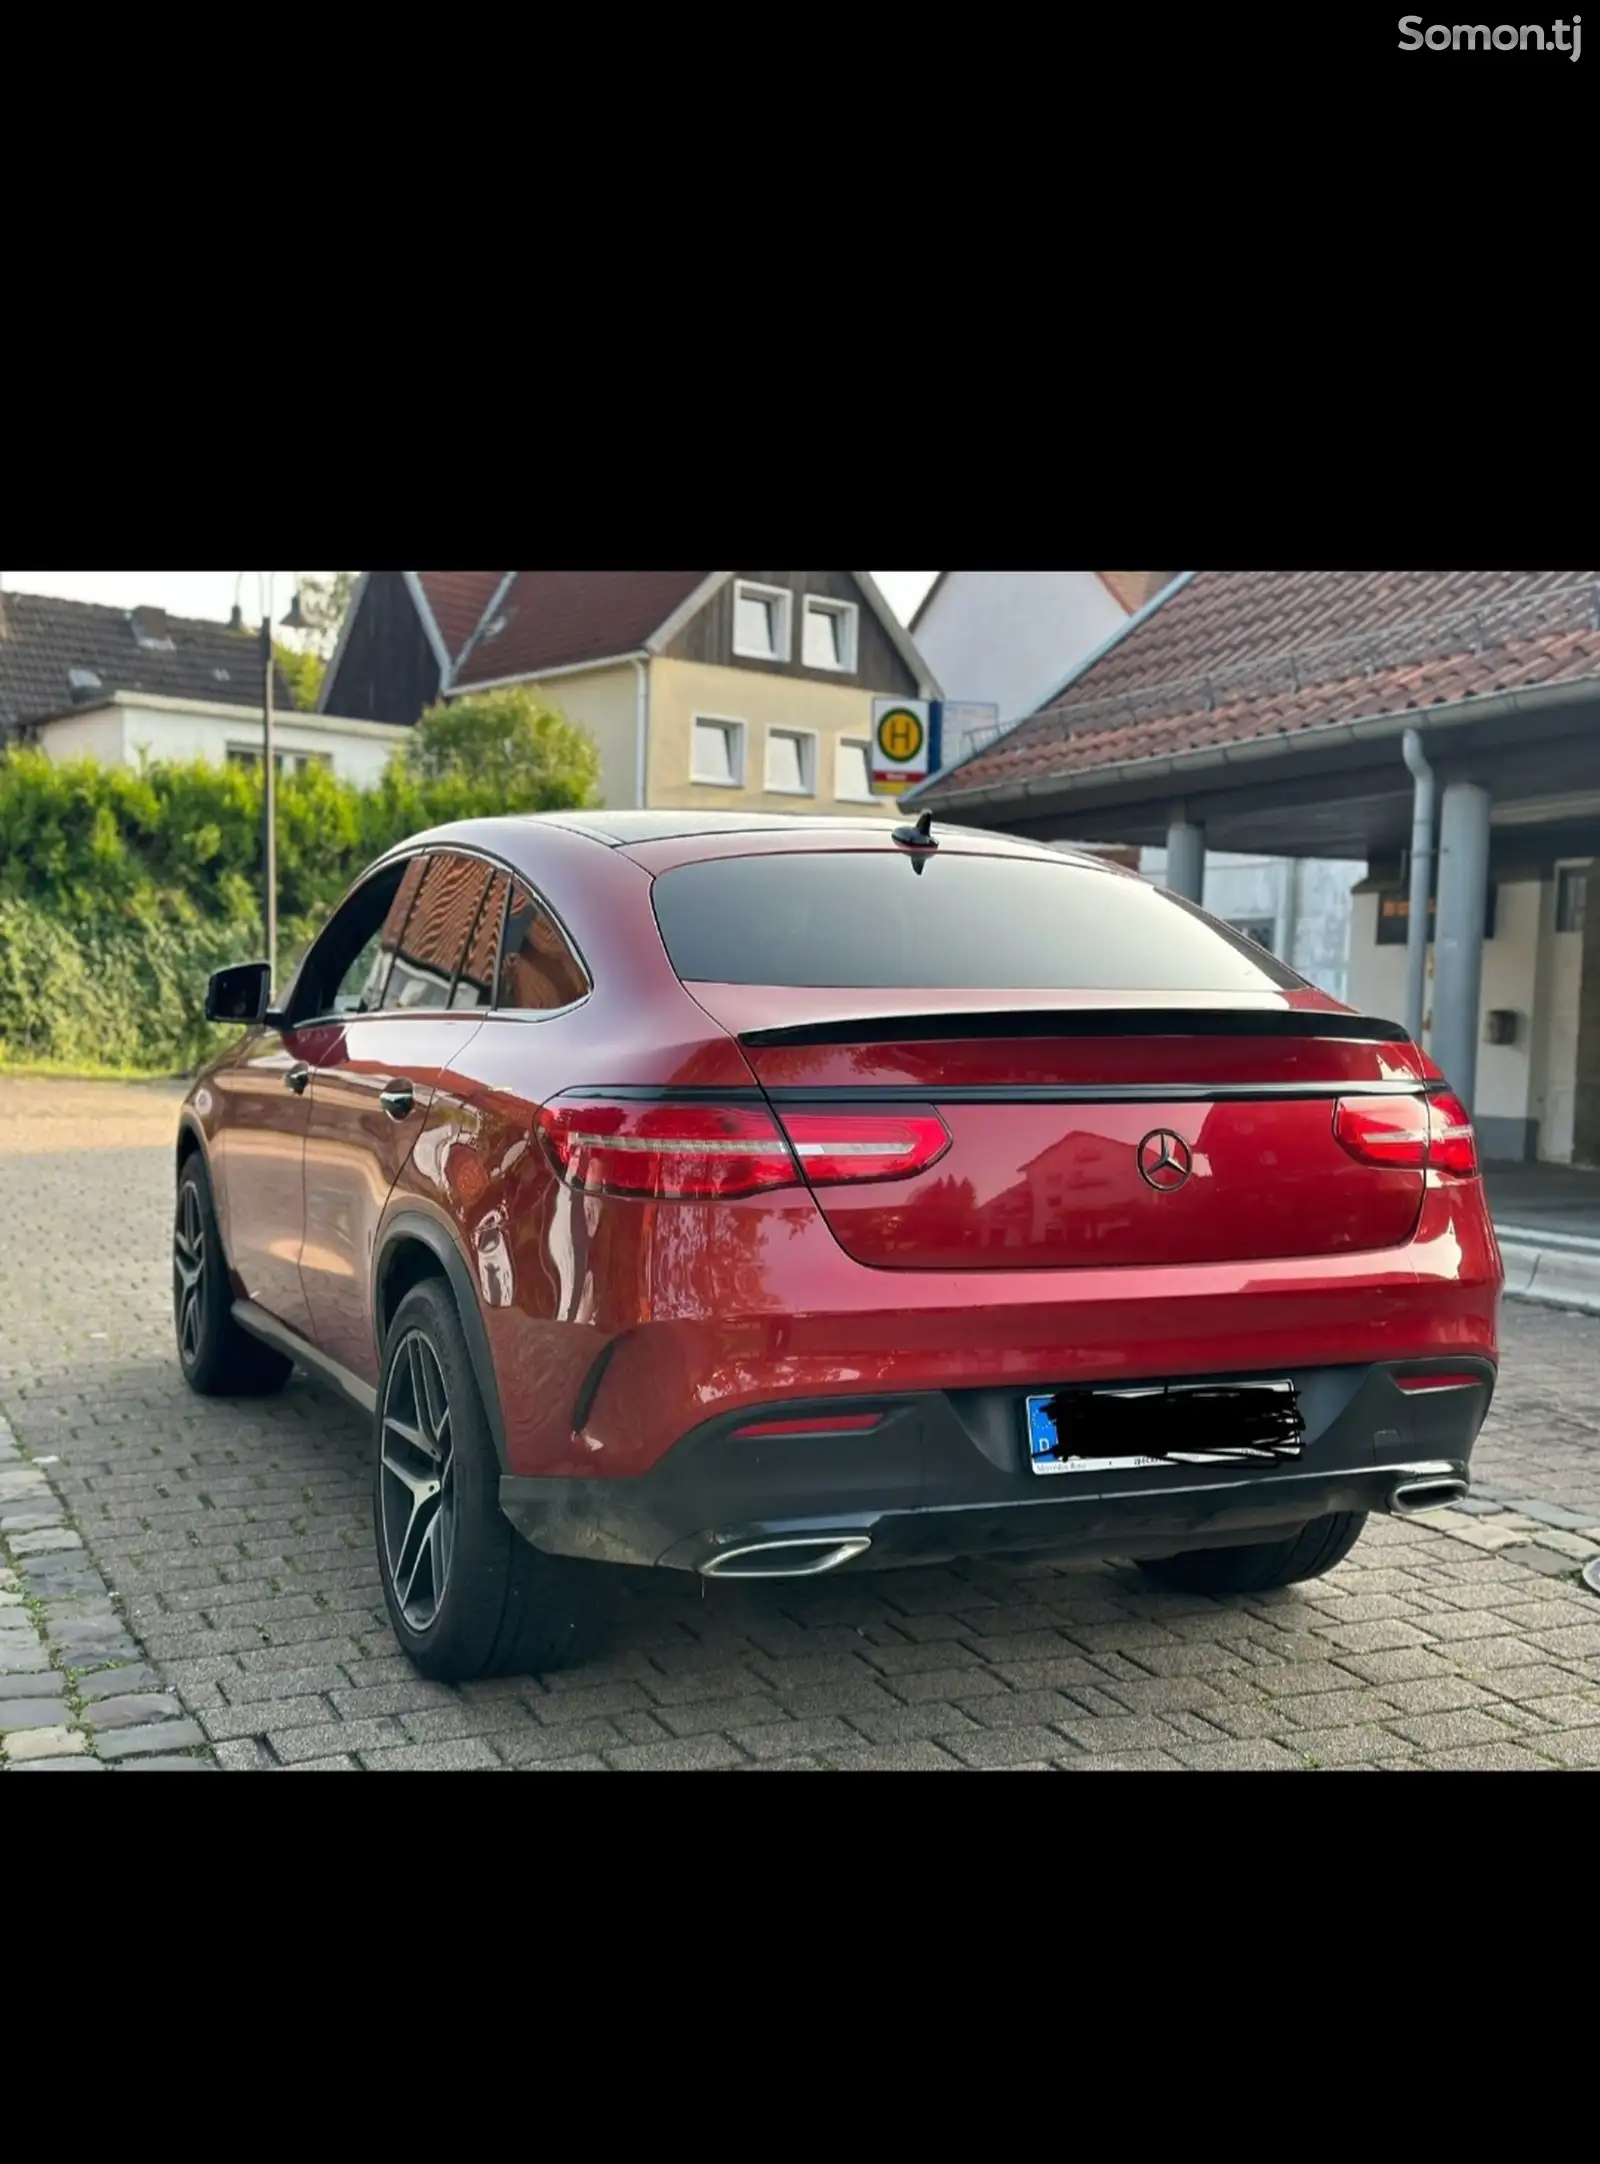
[556, 619]
[1237, 655]
[458, 600]
[42, 637]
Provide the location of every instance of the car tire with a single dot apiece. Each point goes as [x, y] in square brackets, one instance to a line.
[466, 1595]
[1311, 1552]
[218, 1359]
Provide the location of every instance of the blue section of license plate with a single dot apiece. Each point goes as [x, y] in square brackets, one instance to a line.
[1193, 1423]
[1044, 1446]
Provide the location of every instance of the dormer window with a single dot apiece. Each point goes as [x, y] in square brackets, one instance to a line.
[760, 621]
[150, 628]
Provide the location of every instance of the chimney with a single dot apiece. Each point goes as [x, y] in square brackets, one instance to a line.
[149, 627]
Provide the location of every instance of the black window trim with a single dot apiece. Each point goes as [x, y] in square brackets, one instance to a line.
[406, 856]
[541, 901]
[466, 948]
[405, 926]
[483, 902]
[372, 873]
[438, 849]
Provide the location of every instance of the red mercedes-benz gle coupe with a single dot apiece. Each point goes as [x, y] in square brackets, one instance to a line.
[768, 1196]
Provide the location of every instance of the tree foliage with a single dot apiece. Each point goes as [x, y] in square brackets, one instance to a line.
[303, 671]
[511, 748]
[324, 598]
[121, 888]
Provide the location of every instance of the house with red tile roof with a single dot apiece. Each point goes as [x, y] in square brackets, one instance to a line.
[712, 688]
[1013, 639]
[1319, 715]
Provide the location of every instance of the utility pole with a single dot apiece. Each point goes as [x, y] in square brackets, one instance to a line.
[269, 798]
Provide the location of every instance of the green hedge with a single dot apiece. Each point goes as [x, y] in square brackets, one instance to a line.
[120, 993]
[122, 888]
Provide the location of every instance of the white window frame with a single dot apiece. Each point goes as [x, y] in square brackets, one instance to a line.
[785, 616]
[807, 740]
[1590, 872]
[292, 761]
[824, 605]
[863, 744]
[741, 741]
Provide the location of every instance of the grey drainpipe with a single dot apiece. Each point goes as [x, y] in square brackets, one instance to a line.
[641, 730]
[1288, 913]
[1421, 882]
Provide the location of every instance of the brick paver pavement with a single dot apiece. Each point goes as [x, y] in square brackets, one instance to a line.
[238, 1540]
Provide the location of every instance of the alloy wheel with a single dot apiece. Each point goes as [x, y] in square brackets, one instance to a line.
[189, 1272]
[417, 1501]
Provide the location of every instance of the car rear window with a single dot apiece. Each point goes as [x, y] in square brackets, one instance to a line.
[945, 922]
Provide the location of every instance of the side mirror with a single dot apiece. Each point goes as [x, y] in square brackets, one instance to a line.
[239, 994]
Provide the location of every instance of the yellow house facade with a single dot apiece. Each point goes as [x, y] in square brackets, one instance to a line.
[717, 690]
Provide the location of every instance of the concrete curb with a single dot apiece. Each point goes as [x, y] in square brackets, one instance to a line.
[1554, 1269]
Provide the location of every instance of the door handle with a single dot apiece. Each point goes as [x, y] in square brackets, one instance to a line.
[297, 1078]
[397, 1100]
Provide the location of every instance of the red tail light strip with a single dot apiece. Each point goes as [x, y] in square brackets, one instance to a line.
[1420, 1134]
[838, 1146]
[704, 1152]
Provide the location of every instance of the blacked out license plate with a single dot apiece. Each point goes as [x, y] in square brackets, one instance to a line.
[1111, 1430]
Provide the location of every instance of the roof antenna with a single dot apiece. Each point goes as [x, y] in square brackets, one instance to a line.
[918, 837]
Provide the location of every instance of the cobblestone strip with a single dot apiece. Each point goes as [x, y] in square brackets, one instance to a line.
[75, 1693]
[1543, 1536]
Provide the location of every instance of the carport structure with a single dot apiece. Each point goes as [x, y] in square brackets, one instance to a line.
[1267, 711]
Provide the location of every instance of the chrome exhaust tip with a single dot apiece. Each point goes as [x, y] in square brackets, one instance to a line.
[801, 1558]
[1434, 1492]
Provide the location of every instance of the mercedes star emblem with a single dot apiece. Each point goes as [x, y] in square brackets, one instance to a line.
[1164, 1161]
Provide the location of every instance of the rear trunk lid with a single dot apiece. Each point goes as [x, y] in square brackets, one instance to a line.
[1096, 1137]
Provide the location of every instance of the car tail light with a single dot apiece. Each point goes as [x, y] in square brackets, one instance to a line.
[671, 1153]
[701, 1152]
[1452, 1147]
[1431, 1134]
[837, 1146]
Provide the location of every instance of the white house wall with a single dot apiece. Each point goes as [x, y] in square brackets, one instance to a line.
[1516, 1082]
[1007, 638]
[85, 736]
[119, 735]
[1560, 1002]
[1305, 900]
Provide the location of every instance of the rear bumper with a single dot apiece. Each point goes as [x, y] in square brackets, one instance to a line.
[944, 1474]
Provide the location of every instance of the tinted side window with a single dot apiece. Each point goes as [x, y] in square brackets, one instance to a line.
[436, 932]
[475, 985]
[344, 971]
[360, 988]
[538, 970]
[946, 921]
